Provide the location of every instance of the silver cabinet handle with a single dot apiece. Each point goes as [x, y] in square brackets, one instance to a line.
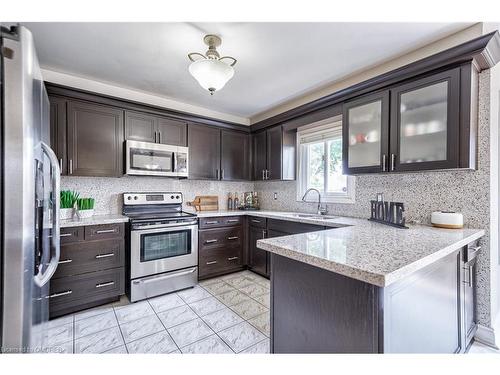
[211, 222]
[222, 174]
[263, 233]
[60, 294]
[103, 231]
[100, 256]
[217, 174]
[70, 166]
[267, 174]
[263, 175]
[65, 261]
[109, 283]
[63, 235]
[212, 262]
[211, 241]
[232, 258]
[255, 221]
[159, 136]
[393, 157]
[383, 163]
[233, 220]
[60, 163]
[155, 137]
[468, 276]
[233, 238]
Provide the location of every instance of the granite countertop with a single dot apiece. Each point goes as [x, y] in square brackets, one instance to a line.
[94, 220]
[300, 217]
[371, 252]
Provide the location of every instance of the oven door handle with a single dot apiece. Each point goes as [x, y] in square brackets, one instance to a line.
[182, 273]
[166, 228]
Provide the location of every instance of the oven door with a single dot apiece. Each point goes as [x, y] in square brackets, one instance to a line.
[145, 158]
[161, 250]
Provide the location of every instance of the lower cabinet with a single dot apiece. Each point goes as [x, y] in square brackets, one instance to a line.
[220, 248]
[259, 260]
[91, 268]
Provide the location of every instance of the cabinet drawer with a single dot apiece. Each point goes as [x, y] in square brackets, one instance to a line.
[92, 256]
[219, 260]
[104, 231]
[71, 235]
[214, 222]
[259, 222]
[71, 291]
[216, 238]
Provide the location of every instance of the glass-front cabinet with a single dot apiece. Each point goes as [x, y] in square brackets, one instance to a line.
[407, 127]
[366, 121]
[425, 122]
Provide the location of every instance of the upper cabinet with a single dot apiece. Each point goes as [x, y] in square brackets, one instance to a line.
[421, 124]
[148, 128]
[86, 137]
[95, 140]
[274, 154]
[216, 154]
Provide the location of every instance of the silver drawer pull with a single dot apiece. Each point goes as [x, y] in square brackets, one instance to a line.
[232, 258]
[233, 220]
[105, 284]
[99, 256]
[65, 261]
[102, 231]
[63, 235]
[255, 221]
[212, 262]
[211, 222]
[233, 238]
[211, 241]
[60, 294]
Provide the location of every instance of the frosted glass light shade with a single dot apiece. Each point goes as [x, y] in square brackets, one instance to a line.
[211, 74]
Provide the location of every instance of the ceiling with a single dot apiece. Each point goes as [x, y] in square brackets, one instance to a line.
[277, 62]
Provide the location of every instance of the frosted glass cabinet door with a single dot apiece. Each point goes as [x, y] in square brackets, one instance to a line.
[425, 123]
[366, 119]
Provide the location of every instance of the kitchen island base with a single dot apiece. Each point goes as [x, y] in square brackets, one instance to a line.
[314, 310]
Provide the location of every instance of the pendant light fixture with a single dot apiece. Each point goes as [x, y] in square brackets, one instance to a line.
[210, 70]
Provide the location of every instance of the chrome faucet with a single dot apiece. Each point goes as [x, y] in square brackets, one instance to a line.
[321, 210]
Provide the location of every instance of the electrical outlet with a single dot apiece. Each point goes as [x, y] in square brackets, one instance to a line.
[275, 197]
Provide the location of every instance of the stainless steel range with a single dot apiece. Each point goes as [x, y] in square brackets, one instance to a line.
[163, 244]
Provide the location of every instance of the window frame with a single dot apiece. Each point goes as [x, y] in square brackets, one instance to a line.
[331, 126]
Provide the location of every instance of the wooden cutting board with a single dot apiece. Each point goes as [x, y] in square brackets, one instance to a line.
[205, 203]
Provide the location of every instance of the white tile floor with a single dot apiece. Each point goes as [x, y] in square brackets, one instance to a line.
[229, 314]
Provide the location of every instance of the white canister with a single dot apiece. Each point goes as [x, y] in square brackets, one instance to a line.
[447, 219]
[85, 214]
[66, 213]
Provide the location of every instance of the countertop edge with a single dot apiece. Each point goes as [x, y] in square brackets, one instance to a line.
[94, 220]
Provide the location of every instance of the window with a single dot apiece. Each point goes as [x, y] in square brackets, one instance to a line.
[320, 164]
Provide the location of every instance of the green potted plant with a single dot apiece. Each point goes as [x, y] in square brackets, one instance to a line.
[67, 205]
[85, 207]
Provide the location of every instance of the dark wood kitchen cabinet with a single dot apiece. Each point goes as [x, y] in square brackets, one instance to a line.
[235, 155]
[220, 246]
[204, 152]
[274, 154]
[258, 259]
[91, 269]
[424, 123]
[148, 128]
[216, 154]
[95, 140]
[58, 131]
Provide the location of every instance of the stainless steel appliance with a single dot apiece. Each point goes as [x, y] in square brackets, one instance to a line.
[163, 244]
[145, 158]
[30, 197]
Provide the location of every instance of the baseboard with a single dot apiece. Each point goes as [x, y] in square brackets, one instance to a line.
[486, 336]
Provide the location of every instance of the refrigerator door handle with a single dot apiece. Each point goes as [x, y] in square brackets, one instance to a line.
[43, 278]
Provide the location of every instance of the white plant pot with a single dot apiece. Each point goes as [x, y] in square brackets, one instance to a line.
[84, 214]
[66, 213]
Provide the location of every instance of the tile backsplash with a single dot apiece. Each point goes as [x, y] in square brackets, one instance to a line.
[108, 191]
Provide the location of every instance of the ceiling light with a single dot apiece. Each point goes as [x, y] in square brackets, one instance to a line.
[210, 70]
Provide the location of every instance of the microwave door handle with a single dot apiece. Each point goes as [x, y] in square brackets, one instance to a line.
[174, 160]
[44, 278]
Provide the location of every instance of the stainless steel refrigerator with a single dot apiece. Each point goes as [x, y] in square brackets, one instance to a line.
[29, 197]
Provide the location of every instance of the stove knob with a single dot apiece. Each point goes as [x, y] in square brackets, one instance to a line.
[177, 197]
[135, 197]
[171, 197]
[129, 197]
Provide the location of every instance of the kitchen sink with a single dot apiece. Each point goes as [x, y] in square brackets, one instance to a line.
[315, 216]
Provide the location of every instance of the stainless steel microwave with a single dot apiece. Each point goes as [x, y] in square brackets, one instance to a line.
[153, 159]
